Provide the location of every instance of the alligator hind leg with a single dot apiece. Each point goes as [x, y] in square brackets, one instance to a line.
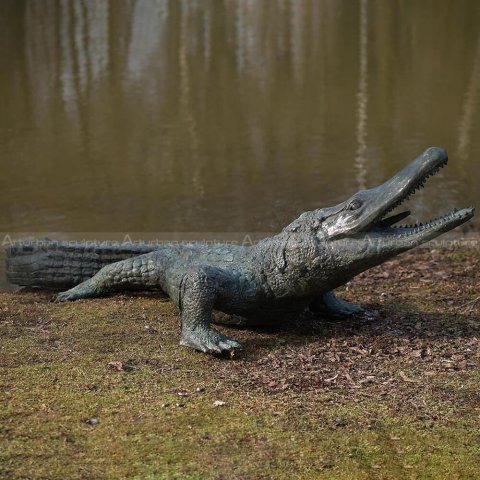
[200, 290]
[330, 304]
[86, 289]
[136, 272]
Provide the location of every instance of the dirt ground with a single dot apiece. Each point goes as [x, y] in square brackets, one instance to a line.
[100, 389]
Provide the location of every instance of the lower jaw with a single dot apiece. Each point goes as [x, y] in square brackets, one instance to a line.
[417, 237]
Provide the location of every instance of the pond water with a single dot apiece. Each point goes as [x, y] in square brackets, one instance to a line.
[209, 116]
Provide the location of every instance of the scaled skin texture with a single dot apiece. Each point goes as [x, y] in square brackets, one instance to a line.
[281, 276]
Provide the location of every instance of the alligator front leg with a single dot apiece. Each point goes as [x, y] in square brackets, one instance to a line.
[200, 290]
[330, 304]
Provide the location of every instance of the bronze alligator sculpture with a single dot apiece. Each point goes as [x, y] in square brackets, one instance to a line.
[280, 276]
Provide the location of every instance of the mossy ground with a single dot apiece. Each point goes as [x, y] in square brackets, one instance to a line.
[392, 395]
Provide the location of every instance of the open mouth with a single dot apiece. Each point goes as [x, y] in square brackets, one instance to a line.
[443, 223]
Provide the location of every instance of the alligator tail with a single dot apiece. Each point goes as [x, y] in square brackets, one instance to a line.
[52, 264]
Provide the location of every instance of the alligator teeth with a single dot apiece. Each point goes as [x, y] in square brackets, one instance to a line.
[418, 227]
[418, 186]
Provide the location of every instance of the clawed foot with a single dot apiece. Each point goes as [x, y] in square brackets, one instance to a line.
[345, 309]
[209, 341]
[86, 289]
[67, 296]
[333, 306]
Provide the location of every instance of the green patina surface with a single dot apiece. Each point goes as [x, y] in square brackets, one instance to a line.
[393, 397]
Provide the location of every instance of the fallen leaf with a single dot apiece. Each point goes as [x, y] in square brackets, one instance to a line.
[115, 365]
[462, 365]
[406, 379]
[340, 422]
[361, 351]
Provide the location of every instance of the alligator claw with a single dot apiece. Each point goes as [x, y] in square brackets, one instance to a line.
[347, 310]
[67, 296]
[333, 306]
[210, 341]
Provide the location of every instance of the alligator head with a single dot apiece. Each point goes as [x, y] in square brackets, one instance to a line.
[359, 233]
[365, 212]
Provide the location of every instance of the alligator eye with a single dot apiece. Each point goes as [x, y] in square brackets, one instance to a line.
[355, 204]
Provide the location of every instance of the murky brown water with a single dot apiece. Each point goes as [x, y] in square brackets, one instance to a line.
[228, 116]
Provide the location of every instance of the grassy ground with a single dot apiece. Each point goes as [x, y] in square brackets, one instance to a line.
[101, 389]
